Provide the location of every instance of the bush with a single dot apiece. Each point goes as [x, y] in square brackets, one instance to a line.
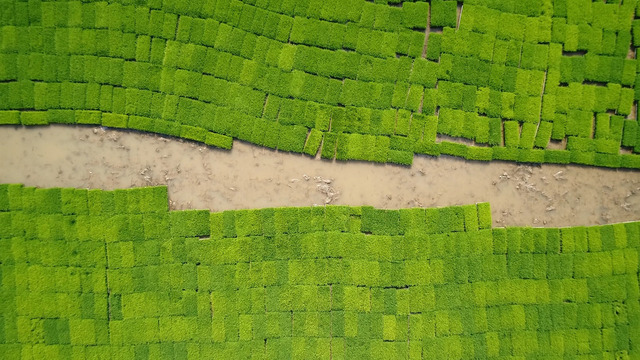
[313, 142]
[606, 146]
[355, 93]
[426, 147]
[187, 223]
[584, 158]
[10, 117]
[511, 134]
[88, 117]
[408, 42]
[626, 101]
[434, 46]
[378, 70]
[418, 122]
[400, 157]
[479, 153]
[166, 127]
[527, 136]
[548, 107]
[48, 201]
[153, 199]
[629, 135]
[450, 219]
[323, 118]
[534, 56]
[450, 95]
[380, 222]
[342, 147]
[415, 15]
[73, 201]
[193, 133]
[114, 120]
[358, 146]
[531, 156]
[470, 71]
[543, 135]
[351, 120]
[505, 153]
[403, 122]
[453, 149]
[377, 43]
[484, 216]
[630, 161]
[443, 13]
[470, 217]
[495, 131]
[424, 73]
[380, 152]
[141, 123]
[190, 112]
[329, 146]
[292, 138]
[482, 130]
[216, 225]
[400, 94]
[248, 223]
[580, 144]
[527, 109]
[579, 123]
[401, 143]
[451, 122]
[414, 99]
[607, 160]
[29, 118]
[509, 69]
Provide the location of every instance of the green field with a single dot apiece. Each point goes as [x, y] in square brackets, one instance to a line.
[115, 274]
[94, 274]
[346, 79]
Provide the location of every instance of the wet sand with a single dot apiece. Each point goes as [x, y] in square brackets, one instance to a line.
[248, 176]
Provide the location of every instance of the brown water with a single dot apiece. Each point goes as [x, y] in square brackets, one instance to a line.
[253, 177]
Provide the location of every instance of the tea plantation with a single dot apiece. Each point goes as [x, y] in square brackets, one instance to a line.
[114, 274]
[519, 80]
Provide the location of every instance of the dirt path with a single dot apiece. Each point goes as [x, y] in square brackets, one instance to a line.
[253, 177]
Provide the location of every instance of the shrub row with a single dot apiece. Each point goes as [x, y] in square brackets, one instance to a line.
[518, 151]
[399, 149]
[68, 201]
[268, 222]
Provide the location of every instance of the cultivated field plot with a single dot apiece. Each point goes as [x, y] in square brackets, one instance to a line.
[530, 81]
[104, 274]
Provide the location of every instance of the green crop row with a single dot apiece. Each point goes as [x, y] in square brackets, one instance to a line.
[93, 274]
[602, 151]
[268, 222]
[122, 121]
[70, 201]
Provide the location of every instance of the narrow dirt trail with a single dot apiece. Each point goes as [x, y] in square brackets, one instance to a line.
[254, 177]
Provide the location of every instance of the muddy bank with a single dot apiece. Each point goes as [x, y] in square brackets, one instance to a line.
[253, 177]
